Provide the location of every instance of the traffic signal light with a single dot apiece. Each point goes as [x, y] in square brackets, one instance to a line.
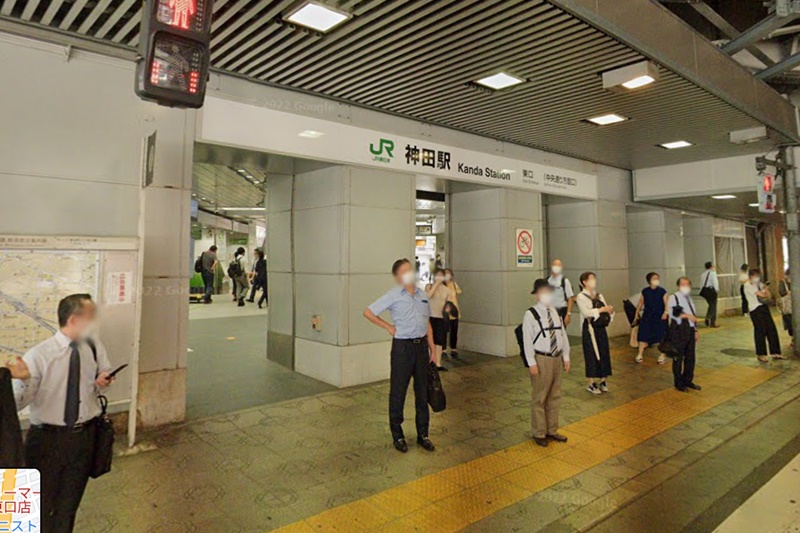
[174, 49]
[767, 199]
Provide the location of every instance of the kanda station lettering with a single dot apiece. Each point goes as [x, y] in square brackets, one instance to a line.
[242, 124]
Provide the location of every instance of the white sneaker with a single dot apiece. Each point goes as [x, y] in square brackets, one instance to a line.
[639, 359]
[593, 389]
[603, 387]
[662, 359]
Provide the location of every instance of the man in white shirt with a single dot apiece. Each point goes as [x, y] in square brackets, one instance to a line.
[60, 379]
[546, 351]
[709, 290]
[563, 296]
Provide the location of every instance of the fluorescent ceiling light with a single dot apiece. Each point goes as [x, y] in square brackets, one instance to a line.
[317, 16]
[724, 197]
[641, 81]
[605, 120]
[675, 144]
[630, 76]
[310, 134]
[241, 208]
[753, 205]
[499, 81]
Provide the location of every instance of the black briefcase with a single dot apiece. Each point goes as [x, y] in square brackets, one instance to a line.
[103, 442]
[436, 397]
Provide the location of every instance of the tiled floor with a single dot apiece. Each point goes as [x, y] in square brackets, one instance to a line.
[325, 463]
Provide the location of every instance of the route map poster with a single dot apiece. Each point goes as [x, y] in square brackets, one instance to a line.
[19, 500]
[31, 284]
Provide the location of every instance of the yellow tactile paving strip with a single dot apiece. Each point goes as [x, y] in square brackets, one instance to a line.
[456, 497]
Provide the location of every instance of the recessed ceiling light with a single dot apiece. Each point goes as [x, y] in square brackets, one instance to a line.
[605, 120]
[675, 144]
[641, 81]
[317, 16]
[724, 196]
[499, 81]
[242, 208]
[310, 134]
[753, 205]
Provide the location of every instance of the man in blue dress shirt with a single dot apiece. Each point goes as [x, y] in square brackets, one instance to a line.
[412, 350]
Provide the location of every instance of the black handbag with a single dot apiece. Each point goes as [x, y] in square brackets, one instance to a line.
[677, 339]
[103, 442]
[436, 397]
[604, 319]
[707, 292]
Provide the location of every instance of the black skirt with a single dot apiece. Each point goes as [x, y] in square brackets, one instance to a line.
[439, 327]
[596, 368]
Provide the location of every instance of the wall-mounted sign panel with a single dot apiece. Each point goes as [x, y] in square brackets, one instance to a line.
[242, 125]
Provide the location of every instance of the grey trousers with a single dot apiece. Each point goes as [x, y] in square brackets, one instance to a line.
[546, 396]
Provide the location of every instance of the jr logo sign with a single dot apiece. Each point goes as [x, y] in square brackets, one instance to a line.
[384, 147]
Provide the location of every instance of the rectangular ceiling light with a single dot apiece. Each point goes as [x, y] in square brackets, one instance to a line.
[724, 196]
[676, 144]
[311, 134]
[605, 120]
[752, 205]
[317, 16]
[241, 208]
[630, 77]
[499, 81]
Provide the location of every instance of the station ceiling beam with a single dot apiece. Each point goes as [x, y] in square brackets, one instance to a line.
[728, 30]
[757, 32]
[778, 68]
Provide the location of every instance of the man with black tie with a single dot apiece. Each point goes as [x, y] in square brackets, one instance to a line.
[60, 379]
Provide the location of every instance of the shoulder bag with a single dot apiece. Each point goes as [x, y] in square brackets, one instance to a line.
[104, 434]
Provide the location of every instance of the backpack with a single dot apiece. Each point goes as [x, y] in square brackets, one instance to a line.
[235, 269]
[521, 339]
[198, 264]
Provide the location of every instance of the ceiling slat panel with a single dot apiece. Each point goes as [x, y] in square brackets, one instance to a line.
[417, 58]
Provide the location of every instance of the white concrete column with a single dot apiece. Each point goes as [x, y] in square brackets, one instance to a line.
[655, 244]
[343, 227]
[496, 291]
[592, 236]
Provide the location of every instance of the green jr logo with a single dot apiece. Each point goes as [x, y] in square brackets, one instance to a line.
[384, 146]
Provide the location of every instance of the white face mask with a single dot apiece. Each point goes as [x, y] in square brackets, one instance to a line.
[546, 298]
[556, 269]
[439, 278]
[409, 278]
[448, 277]
[655, 283]
[591, 284]
[756, 279]
[686, 291]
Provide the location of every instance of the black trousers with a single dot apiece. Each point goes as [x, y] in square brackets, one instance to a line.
[711, 313]
[764, 331]
[452, 326]
[63, 459]
[258, 283]
[683, 365]
[409, 358]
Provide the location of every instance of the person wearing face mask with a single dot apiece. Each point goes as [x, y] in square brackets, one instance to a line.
[653, 323]
[412, 350]
[452, 312]
[438, 294]
[743, 278]
[563, 296]
[764, 330]
[683, 335]
[546, 352]
[709, 291]
[596, 315]
[60, 379]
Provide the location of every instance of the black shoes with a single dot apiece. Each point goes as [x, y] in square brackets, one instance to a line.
[541, 441]
[251, 300]
[681, 388]
[442, 368]
[426, 443]
[693, 386]
[241, 302]
[557, 437]
[400, 445]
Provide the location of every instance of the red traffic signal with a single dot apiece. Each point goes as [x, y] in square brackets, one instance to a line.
[174, 49]
[767, 183]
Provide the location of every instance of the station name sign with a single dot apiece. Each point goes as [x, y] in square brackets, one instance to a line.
[240, 124]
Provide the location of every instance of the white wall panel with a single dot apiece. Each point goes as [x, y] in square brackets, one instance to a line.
[476, 205]
[477, 245]
[378, 234]
[167, 210]
[280, 302]
[523, 205]
[279, 245]
[363, 289]
[388, 190]
[482, 300]
[572, 215]
[318, 235]
[576, 247]
[320, 188]
[323, 295]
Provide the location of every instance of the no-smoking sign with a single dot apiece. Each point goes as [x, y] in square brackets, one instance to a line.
[524, 245]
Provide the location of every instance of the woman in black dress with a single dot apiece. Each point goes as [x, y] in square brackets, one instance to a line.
[596, 314]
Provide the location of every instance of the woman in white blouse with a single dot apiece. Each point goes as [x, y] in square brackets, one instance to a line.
[596, 315]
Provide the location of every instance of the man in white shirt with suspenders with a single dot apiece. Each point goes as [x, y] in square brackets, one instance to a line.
[546, 352]
[709, 290]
